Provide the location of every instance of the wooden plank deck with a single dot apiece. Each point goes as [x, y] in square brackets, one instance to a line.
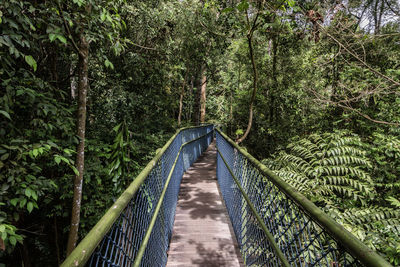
[202, 234]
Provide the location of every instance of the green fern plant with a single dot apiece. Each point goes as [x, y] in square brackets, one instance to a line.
[333, 170]
[325, 167]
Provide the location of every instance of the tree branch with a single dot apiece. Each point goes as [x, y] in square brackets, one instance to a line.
[353, 54]
[68, 30]
[347, 106]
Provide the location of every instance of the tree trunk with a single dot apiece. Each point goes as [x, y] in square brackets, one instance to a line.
[274, 80]
[83, 87]
[378, 27]
[203, 95]
[377, 14]
[253, 96]
[181, 100]
[196, 100]
[72, 82]
[189, 97]
[57, 247]
[53, 65]
[25, 254]
[231, 100]
[230, 112]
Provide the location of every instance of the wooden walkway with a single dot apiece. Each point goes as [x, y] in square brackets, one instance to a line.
[202, 234]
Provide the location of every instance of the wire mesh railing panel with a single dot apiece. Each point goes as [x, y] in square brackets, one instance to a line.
[121, 244]
[155, 254]
[300, 239]
[193, 151]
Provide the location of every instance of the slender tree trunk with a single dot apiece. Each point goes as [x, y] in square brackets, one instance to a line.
[376, 15]
[57, 247]
[230, 112]
[378, 26]
[196, 101]
[53, 66]
[190, 100]
[253, 95]
[83, 87]
[335, 111]
[231, 99]
[72, 82]
[25, 255]
[203, 95]
[181, 99]
[274, 81]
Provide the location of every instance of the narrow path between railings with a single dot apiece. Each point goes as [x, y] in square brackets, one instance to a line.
[202, 234]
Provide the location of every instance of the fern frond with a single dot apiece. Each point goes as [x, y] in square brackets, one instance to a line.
[298, 162]
[346, 159]
[344, 180]
[345, 149]
[371, 215]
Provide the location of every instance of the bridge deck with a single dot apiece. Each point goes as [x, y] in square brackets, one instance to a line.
[202, 234]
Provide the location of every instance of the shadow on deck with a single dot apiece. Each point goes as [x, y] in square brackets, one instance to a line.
[202, 234]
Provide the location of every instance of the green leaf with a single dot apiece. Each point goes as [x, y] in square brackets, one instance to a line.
[79, 2]
[242, 6]
[19, 92]
[52, 37]
[5, 156]
[75, 170]
[116, 128]
[291, 3]
[103, 15]
[22, 203]
[62, 39]
[393, 201]
[13, 241]
[108, 64]
[2, 228]
[29, 207]
[34, 195]
[228, 9]
[31, 62]
[14, 201]
[5, 114]
[28, 192]
[57, 159]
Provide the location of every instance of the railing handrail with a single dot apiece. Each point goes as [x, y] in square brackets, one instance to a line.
[82, 253]
[354, 246]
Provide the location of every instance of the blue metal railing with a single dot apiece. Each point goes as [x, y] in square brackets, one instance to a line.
[277, 226]
[137, 229]
[273, 223]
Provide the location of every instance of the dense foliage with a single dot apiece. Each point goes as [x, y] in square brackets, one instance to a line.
[314, 84]
[334, 170]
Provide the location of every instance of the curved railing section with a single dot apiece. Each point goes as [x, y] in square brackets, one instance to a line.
[137, 229]
[277, 226]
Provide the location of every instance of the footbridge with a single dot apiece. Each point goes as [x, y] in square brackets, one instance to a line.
[205, 201]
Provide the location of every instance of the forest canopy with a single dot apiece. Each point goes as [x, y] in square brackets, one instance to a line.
[90, 89]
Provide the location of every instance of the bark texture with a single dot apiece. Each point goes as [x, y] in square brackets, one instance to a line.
[83, 87]
[196, 102]
[203, 95]
[253, 95]
[181, 100]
